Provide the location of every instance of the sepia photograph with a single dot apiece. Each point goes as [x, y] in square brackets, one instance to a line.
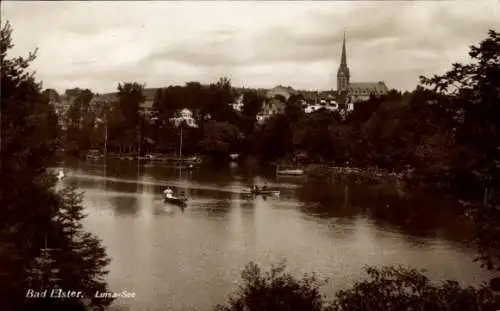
[250, 155]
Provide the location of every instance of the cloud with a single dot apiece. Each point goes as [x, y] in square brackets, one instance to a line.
[259, 44]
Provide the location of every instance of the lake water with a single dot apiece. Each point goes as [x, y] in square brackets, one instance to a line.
[192, 259]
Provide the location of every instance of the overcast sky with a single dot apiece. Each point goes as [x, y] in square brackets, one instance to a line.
[256, 44]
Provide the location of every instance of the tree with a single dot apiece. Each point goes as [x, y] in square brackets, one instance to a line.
[167, 102]
[293, 109]
[27, 116]
[474, 105]
[274, 139]
[159, 100]
[252, 104]
[281, 98]
[313, 133]
[194, 95]
[74, 92]
[384, 289]
[381, 135]
[81, 119]
[394, 289]
[130, 97]
[423, 137]
[275, 290]
[219, 139]
[52, 95]
[34, 217]
[220, 95]
[348, 139]
[364, 111]
[79, 107]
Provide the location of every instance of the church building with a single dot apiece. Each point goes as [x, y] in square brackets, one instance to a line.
[355, 91]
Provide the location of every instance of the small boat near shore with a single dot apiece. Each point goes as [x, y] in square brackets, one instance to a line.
[180, 201]
[290, 172]
[265, 192]
[189, 167]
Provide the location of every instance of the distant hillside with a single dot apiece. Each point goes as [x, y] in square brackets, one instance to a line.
[260, 91]
[150, 93]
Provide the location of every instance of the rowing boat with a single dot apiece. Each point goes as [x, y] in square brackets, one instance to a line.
[181, 201]
[264, 192]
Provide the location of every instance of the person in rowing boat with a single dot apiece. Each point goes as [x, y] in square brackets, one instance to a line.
[168, 193]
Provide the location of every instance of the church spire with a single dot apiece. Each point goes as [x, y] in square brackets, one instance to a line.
[343, 72]
[343, 60]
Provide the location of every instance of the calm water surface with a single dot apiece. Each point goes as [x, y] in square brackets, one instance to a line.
[192, 260]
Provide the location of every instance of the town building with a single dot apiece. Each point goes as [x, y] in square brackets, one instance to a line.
[352, 92]
[361, 91]
[184, 115]
[270, 108]
[100, 103]
[327, 104]
[61, 108]
[238, 103]
[147, 110]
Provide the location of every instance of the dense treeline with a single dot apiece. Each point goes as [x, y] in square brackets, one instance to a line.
[129, 130]
[42, 243]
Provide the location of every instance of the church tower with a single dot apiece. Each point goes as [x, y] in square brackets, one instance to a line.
[343, 72]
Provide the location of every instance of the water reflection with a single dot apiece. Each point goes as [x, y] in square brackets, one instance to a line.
[124, 205]
[218, 207]
[214, 190]
[419, 216]
[162, 254]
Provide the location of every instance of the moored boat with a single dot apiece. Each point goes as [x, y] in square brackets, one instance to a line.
[261, 191]
[266, 192]
[94, 154]
[291, 172]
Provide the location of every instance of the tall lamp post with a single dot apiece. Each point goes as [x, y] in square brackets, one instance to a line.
[105, 122]
[180, 145]
[140, 141]
[105, 135]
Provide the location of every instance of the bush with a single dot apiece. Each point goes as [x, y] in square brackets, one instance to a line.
[275, 290]
[394, 289]
[385, 289]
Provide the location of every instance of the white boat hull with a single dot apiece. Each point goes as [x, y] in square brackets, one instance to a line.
[294, 172]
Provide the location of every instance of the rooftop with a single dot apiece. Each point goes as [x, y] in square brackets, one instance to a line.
[374, 86]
